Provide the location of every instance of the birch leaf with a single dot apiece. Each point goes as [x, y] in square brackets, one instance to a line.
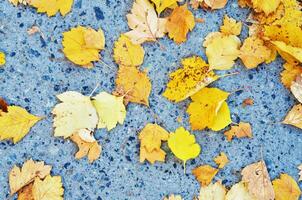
[51, 7]
[294, 117]
[205, 174]
[214, 191]
[221, 160]
[286, 188]
[241, 130]
[49, 188]
[239, 192]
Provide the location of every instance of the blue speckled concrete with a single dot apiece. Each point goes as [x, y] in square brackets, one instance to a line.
[36, 72]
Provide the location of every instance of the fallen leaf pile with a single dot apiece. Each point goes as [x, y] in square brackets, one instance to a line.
[33, 182]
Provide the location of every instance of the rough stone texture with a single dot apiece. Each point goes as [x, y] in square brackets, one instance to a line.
[36, 71]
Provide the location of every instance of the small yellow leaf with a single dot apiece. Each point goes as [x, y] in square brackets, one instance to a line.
[49, 188]
[161, 5]
[205, 174]
[286, 188]
[75, 114]
[265, 6]
[16, 123]
[151, 156]
[90, 149]
[20, 177]
[179, 23]
[183, 145]
[110, 109]
[126, 53]
[221, 160]
[51, 7]
[241, 130]
[230, 26]
[214, 191]
[2, 58]
[239, 192]
[134, 84]
[222, 119]
[188, 80]
[290, 73]
[82, 45]
[294, 117]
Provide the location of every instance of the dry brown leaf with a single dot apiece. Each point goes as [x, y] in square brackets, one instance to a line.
[90, 149]
[290, 73]
[20, 177]
[294, 117]
[26, 193]
[179, 23]
[296, 88]
[134, 84]
[257, 178]
[241, 130]
[204, 174]
[221, 160]
[3, 105]
[248, 102]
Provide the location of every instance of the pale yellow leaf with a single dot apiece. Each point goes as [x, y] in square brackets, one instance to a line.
[214, 191]
[294, 117]
[50, 188]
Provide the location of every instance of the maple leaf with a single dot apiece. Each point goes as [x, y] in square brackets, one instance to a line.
[126, 53]
[258, 181]
[253, 52]
[221, 160]
[26, 193]
[134, 84]
[145, 24]
[290, 74]
[265, 6]
[239, 192]
[241, 130]
[188, 80]
[82, 45]
[230, 26]
[214, 191]
[209, 109]
[110, 109]
[173, 197]
[2, 58]
[49, 188]
[296, 88]
[75, 114]
[90, 149]
[294, 117]
[20, 177]
[300, 173]
[179, 23]
[51, 7]
[161, 5]
[205, 174]
[286, 188]
[222, 50]
[16, 123]
[183, 145]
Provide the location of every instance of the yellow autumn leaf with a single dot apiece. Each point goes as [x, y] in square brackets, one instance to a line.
[294, 117]
[90, 149]
[110, 109]
[161, 5]
[241, 130]
[222, 50]
[206, 109]
[253, 52]
[49, 188]
[74, 114]
[151, 156]
[205, 174]
[290, 73]
[208, 4]
[20, 177]
[126, 53]
[289, 53]
[134, 84]
[221, 160]
[258, 181]
[286, 188]
[144, 22]
[179, 23]
[239, 192]
[82, 45]
[183, 145]
[230, 26]
[188, 80]
[296, 88]
[214, 191]
[265, 6]
[16, 123]
[51, 7]
[2, 58]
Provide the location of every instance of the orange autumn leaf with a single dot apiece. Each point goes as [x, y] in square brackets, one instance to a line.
[241, 130]
[286, 188]
[179, 23]
[221, 160]
[155, 155]
[26, 193]
[205, 174]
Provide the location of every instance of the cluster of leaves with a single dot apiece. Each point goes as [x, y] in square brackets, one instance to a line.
[33, 182]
